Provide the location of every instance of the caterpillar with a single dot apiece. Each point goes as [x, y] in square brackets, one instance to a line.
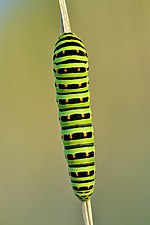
[73, 98]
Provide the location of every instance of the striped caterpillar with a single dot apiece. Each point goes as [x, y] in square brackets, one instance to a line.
[73, 98]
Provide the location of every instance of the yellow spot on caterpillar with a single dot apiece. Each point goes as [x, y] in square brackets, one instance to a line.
[66, 100]
[65, 85]
[63, 52]
[77, 51]
[83, 116]
[77, 174]
[81, 99]
[74, 156]
[79, 85]
[78, 69]
[70, 136]
[65, 70]
[68, 117]
[87, 154]
[85, 134]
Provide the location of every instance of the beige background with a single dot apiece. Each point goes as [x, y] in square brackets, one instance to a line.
[34, 185]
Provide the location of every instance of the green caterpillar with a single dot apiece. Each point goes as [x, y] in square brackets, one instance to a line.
[73, 98]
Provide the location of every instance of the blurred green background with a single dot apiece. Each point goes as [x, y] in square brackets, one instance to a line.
[34, 184]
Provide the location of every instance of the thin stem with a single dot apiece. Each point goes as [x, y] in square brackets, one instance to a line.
[87, 212]
[64, 24]
[65, 28]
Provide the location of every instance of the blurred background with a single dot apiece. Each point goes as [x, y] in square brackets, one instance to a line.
[34, 184]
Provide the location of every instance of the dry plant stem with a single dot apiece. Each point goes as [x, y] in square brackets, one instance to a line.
[65, 28]
[61, 25]
[65, 24]
[87, 212]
